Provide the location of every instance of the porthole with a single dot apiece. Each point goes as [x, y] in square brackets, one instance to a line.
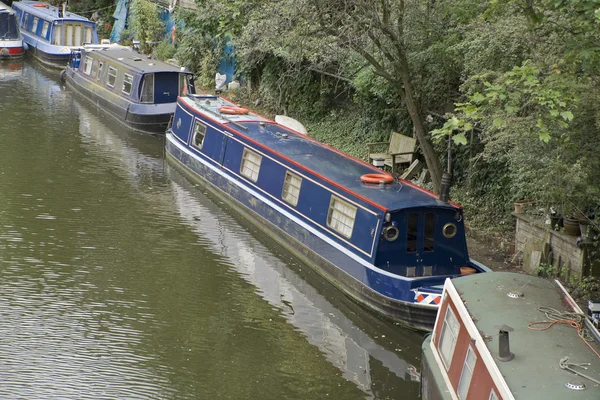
[449, 230]
[390, 233]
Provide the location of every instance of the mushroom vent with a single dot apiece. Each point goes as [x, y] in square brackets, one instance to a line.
[513, 294]
[575, 385]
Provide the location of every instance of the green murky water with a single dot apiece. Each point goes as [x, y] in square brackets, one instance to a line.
[121, 280]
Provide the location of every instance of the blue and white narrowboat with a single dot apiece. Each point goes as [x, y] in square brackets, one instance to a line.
[51, 32]
[386, 243]
[138, 91]
[11, 41]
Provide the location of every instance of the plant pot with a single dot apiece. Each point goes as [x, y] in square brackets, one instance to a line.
[556, 223]
[467, 270]
[522, 205]
[571, 226]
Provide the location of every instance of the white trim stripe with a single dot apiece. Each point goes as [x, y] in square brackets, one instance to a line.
[486, 356]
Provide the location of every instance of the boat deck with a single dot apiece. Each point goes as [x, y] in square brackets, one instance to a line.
[325, 161]
[534, 373]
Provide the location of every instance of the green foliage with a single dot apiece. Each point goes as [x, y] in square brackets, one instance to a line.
[165, 50]
[146, 24]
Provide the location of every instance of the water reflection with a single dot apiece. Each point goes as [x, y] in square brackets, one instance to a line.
[339, 339]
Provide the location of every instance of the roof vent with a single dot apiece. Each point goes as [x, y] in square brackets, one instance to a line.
[575, 385]
[504, 353]
[137, 59]
[515, 295]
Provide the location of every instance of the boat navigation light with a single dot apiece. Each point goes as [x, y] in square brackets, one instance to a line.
[388, 217]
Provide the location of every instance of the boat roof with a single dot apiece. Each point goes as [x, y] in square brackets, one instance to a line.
[534, 373]
[4, 8]
[132, 59]
[335, 166]
[47, 11]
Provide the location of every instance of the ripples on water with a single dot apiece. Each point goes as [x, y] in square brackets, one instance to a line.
[121, 280]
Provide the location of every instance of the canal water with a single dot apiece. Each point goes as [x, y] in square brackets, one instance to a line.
[119, 279]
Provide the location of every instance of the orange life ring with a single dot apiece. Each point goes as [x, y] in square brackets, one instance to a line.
[377, 178]
[233, 110]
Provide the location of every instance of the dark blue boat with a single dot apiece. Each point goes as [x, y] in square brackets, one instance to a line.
[51, 32]
[138, 91]
[11, 41]
[388, 244]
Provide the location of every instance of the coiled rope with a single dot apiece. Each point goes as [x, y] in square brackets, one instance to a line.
[573, 319]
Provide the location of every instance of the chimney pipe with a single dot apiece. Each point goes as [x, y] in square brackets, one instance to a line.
[447, 176]
[504, 353]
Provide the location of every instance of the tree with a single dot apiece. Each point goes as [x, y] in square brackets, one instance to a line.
[376, 31]
[146, 24]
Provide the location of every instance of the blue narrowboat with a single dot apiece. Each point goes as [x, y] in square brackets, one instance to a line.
[51, 32]
[138, 91]
[11, 41]
[385, 242]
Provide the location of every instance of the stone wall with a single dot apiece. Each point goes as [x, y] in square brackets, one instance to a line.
[536, 243]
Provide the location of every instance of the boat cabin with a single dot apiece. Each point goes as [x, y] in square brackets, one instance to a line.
[11, 41]
[131, 75]
[506, 336]
[52, 32]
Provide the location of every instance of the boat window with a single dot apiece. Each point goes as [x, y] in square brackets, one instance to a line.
[467, 374]
[148, 89]
[429, 231]
[25, 21]
[58, 35]
[112, 76]
[411, 233]
[127, 82]
[87, 65]
[78, 35]
[95, 68]
[99, 73]
[45, 30]
[341, 216]
[291, 188]
[88, 35]
[250, 165]
[35, 24]
[493, 395]
[69, 35]
[448, 337]
[199, 133]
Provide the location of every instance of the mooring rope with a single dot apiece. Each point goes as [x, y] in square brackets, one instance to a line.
[573, 319]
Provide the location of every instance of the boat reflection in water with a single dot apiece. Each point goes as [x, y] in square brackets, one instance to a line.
[372, 367]
[344, 344]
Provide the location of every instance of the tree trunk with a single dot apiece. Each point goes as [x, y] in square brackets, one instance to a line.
[431, 158]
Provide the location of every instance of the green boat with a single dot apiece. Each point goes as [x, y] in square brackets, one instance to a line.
[511, 336]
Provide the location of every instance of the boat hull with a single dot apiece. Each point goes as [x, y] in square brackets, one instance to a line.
[146, 118]
[335, 266]
[433, 386]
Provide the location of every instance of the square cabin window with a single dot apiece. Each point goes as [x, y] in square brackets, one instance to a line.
[112, 77]
[87, 65]
[35, 24]
[467, 374]
[448, 337]
[341, 216]
[45, 29]
[127, 82]
[250, 165]
[291, 188]
[199, 133]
